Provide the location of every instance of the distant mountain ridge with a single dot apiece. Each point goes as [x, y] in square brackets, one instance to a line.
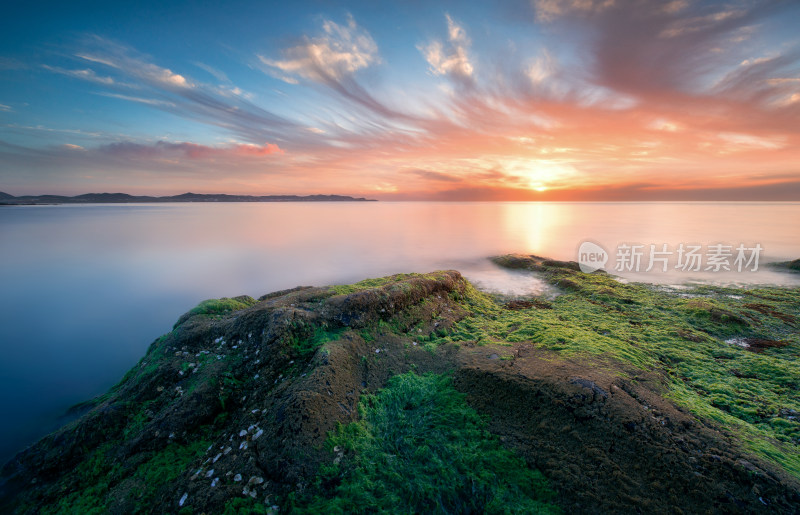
[124, 198]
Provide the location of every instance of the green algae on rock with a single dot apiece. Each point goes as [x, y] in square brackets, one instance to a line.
[610, 397]
[419, 448]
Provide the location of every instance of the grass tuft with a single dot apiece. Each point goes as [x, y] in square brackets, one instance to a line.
[419, 448]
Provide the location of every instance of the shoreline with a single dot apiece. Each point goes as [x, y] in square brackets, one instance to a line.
[124, 198]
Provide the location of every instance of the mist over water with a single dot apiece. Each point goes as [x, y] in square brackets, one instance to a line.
[87, 288]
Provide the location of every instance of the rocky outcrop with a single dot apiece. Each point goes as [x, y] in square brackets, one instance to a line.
[231, 411]
[260, 387]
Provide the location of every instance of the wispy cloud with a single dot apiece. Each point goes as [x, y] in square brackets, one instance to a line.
[332, 60]
[162, 149]
[227, 107]
[7, 63]
[5, 108]
[219, 75]
[549, 10]
[430, 175]
[140, 100]
[341, 51]
[84, 74]
[121, 58]
[450, 58]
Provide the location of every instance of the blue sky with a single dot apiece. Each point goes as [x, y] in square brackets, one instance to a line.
[547, 99]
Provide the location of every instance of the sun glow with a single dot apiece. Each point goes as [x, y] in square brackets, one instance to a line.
[539, 174]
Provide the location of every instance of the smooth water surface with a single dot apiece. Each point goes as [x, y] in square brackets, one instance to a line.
[87, 288]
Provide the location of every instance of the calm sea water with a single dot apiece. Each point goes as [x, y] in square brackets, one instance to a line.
[85, 289]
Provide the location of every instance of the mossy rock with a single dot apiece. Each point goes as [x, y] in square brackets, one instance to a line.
[221, 306]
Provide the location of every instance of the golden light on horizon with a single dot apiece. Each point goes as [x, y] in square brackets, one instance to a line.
[539, 174]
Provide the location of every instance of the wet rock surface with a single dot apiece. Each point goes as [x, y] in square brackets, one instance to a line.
[614, 445]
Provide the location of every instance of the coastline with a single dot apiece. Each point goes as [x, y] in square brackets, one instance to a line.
[124, 198]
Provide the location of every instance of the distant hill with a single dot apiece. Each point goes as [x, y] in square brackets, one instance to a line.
[124, 198]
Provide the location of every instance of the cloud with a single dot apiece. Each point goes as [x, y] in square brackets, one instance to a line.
[542, 68]
[450, 59]
[143, 166]
[340, 52]
[7, 63]
[85, 74]
[6, 109]
[148, 101]
[217, 74]
[431, 175]
[192, 151]
[226, 107]
[332, 60]
[121, 59]
[748, 141]
[760, 81]
[641, 50]
[549, 10]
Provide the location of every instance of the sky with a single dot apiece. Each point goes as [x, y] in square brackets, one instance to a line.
[601, 100]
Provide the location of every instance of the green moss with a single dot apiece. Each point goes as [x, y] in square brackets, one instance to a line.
[99, 472]
[215, 307]
[161, 469]
[419, 448]
[245, 506]
[137, 420]
[379, 282]
[93, 477]
[681, 334]
[305, 340]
